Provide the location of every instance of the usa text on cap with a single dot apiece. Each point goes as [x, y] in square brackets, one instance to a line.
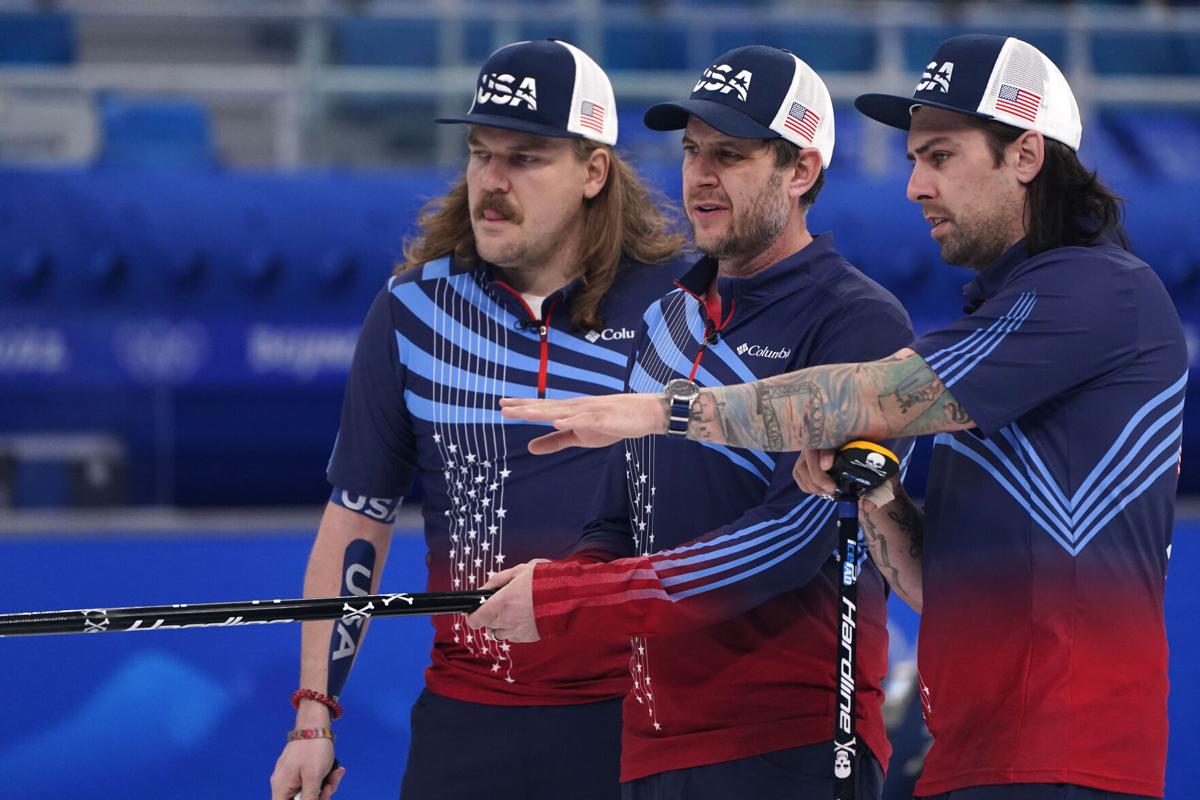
[546, 87]
[757, 92]
[991, 77]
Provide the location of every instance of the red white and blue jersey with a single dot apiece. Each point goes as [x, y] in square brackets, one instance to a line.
[733, 600]
[439, 347]
[1042, 652]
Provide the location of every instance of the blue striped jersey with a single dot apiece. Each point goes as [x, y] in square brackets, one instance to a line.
[1048, 527]
[733, 603]
[440, 346]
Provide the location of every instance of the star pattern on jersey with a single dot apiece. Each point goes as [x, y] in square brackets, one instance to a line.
[672, 335]
[475, 478]
[640, 486]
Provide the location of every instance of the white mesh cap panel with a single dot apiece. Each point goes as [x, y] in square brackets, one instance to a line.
[1028, 91]
[593, 107]
[806, 116]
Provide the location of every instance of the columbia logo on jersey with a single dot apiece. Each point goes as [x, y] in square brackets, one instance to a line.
[608, 335]
[498, 89]
[936, 77]
[746, 349]
[716, 79]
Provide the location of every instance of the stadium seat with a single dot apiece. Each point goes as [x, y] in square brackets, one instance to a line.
[372, 42]
[479, 40]
[1161, 141]
[1173, 250]
[47, 38]
[534, 29]
[154, 133]
[646, 46]
[823, 47]
[1145, 53]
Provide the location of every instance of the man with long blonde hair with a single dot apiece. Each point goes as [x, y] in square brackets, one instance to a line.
[528, 279]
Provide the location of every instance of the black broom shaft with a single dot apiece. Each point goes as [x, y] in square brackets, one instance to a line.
[183, 615]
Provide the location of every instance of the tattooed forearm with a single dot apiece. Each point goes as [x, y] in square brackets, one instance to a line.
[792, 407]
[917, 390]
[878, 546]
[793, 411]
[894, 536]
[827, 406]
[911, 524]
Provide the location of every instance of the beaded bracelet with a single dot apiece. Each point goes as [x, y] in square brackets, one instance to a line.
[335, 708]
[310, 733]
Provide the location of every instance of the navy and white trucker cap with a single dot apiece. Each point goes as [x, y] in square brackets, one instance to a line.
[991, 77]
[547, 87]
[756, 92]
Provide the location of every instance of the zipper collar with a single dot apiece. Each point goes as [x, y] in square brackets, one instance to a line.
[514, 302]
[765, 287]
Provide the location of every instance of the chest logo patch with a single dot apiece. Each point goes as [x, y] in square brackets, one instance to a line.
[761, 351]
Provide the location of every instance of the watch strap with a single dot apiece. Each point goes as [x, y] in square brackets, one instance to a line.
[677, 421]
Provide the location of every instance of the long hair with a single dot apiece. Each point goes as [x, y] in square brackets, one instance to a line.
[623, 220]
[1066, 204]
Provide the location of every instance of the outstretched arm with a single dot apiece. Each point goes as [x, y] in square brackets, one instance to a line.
[826, 406]
[818, 407]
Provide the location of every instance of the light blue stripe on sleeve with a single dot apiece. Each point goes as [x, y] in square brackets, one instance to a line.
[737, 540]
[801, 538]
[953, 363]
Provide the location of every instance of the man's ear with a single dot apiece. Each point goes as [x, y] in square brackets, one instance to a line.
[804, 172]
[599, 162]
[1027, 154]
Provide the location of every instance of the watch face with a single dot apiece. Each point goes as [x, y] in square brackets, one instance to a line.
[681, 389]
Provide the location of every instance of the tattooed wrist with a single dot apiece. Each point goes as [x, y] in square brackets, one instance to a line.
[703, 421]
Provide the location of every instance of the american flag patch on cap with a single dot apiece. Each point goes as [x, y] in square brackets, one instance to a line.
[802, 120]
[591, 115]
[1018, 102]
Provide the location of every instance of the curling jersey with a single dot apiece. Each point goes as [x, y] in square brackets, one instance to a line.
[438, 349]
[1042, 654]
[733, 600]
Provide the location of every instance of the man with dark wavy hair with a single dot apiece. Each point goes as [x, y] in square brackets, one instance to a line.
[528, 278]
[1040, 558]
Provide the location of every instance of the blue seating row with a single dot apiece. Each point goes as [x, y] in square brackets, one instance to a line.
[208, 318]
[653, 42]
[246, 241]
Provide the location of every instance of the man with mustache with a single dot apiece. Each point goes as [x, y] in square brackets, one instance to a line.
[1040, 559]
[528, 278]
[733, 602]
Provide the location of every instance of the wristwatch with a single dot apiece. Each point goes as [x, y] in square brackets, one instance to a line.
[681, 393]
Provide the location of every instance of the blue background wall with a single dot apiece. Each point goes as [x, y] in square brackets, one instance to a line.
[208, 318]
